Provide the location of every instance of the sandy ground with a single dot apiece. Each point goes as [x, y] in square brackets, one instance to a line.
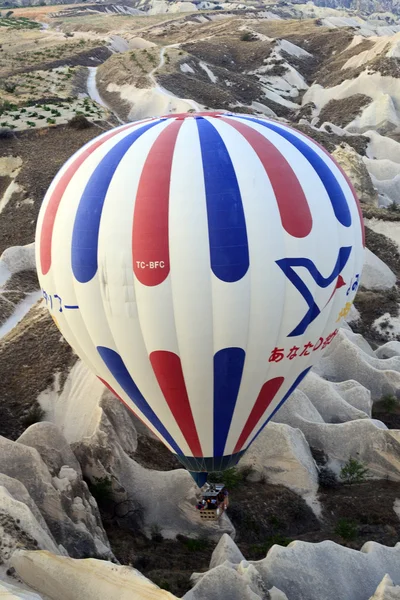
[41, 13]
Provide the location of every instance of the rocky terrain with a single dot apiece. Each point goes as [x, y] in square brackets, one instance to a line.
[318, 494]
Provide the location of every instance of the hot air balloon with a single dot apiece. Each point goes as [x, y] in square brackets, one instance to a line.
[200, 264]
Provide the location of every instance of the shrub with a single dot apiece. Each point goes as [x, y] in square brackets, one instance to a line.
[5, 133]
[156, 534]
[79, 122]
[247, 36]
[101, 489]
[346, 529]
[34, 415]
[389, 403]
[353, 472]
[231, 478]
[327, 478]
[10, 87]
[393, 207]
[196, 545]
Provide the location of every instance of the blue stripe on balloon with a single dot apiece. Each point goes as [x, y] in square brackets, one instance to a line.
[288, 266]
[286, 396]
[117, 368]
[85, 235]
[228, 369]
[328, 179]
[229, 252]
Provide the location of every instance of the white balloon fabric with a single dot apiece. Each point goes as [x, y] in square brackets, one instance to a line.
[200, 264]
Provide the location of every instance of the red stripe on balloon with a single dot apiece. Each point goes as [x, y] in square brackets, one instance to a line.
[46, 234]
[292, 203]
[264, 399]
[168, 370]
[150, 243]
[111, 389]
[353, 191]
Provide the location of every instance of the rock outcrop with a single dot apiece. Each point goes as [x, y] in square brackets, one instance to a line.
[386, 590]
[281, 455]
[352, 163]
[345, 360]
[376, 274]
[62, 578]
[19, 258]
[44, 493]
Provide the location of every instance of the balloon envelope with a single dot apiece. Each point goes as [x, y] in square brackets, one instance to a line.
[200, 265]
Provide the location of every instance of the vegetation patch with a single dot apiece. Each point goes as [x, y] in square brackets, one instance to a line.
[387, 410]
[353, 472]
[43, 151]
[18, 23]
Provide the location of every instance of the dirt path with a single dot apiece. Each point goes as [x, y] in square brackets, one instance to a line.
[94, 93]
[162, 91]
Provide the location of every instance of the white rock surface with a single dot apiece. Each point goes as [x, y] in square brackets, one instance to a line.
[370, 442]
[300, 571]
[80, 532]
[327, 571]
[281, 456]
[18, 524]
[386, 590]
[226, 550]
[388, 350]
[62, 578]
[387, 327]
[376, 274]
[336, 402]
[276, 594]
[224, 582]
[344, 360]
[371, 84]
[19, 258]
[12, 592]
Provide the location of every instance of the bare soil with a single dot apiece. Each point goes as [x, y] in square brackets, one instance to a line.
[152, 454]
[344, 111]
[30, 355]
[330, 140]
[5, 181]
[384, 214]
[331, 73]
[230, 53]
[43, 153]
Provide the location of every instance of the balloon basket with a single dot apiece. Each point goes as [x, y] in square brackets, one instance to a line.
[210, 515]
